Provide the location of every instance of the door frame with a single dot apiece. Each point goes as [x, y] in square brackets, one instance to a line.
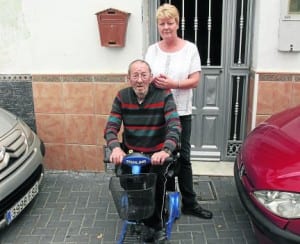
[231, 73]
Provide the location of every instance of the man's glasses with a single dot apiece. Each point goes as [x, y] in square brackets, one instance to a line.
[143, 76]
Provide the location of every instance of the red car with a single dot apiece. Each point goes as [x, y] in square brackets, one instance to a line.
[267, 177]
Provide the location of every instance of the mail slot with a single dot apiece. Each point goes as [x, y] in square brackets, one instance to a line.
[112, 25]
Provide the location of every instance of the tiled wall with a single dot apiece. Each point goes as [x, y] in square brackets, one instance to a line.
[16, 96]
[71, 111]
[276, 92]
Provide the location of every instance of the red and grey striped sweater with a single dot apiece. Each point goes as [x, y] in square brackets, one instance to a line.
[147, 127]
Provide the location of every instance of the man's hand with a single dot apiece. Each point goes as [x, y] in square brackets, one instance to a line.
[159, 158]
[117, 155]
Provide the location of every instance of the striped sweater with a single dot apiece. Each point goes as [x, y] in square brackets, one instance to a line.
[147, 127]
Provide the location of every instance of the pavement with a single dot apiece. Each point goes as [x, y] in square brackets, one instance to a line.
[78, 208]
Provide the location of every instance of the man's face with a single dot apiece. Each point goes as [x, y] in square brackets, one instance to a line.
[140, 79]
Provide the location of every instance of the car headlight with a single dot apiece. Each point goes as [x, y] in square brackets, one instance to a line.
[28, 132]
[283, 204]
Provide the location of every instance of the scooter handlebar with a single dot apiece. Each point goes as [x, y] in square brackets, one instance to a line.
[136, 159]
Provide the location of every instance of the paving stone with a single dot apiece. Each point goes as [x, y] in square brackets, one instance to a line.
[75, 208]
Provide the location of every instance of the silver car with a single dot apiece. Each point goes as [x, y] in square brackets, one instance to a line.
[21, 166]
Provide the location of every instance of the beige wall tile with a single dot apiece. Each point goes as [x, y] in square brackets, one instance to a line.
[79, 97]
[100, 125]
[296, 94]
[55, 157]
[47, 97]
[273, 97]
[50, 127]
[80, 129]
[282, 96]
[265, 98]
[82, 157]
[99, 161]
[105, 94]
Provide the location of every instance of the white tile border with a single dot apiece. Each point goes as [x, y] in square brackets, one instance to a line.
[212, 168]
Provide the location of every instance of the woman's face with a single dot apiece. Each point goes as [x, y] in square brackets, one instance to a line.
[167, 28]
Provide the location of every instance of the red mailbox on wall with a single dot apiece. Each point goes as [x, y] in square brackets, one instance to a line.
[112, 25]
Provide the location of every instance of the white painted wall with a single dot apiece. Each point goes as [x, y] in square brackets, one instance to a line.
[61, 36]
[266, 56]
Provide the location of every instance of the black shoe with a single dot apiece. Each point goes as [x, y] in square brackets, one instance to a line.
[160, 237]
[197, 211]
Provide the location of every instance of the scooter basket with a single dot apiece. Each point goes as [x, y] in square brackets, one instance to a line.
[134, 195]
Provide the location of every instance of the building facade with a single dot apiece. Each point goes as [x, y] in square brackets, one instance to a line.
[55, 73]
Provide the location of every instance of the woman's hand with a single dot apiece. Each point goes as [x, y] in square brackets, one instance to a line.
[164, 82]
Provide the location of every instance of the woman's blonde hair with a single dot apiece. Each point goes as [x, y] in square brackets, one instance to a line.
[167, 11]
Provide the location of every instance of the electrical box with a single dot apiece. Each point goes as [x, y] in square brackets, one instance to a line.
[112, 25]
[289, 26]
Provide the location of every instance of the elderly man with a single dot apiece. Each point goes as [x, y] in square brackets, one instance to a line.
[151, 125]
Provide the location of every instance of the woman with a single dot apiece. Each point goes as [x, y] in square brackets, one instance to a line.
[176, 65]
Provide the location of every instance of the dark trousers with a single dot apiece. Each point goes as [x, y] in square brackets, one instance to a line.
[185, 174]
[156, 221]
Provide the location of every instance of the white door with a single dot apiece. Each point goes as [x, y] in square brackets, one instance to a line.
[221, 29]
